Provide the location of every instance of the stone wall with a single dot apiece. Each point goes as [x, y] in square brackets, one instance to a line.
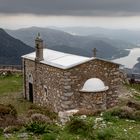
[77, 76]
[93, 101]
[10, 69]
[47, 85]
[59, 89]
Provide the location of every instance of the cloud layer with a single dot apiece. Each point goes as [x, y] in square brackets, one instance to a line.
[72, 7]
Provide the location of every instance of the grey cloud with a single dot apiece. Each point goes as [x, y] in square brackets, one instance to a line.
[72, 7]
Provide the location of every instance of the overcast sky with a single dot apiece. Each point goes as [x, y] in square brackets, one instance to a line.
[103, 13]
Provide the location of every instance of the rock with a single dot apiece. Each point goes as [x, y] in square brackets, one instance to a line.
[64, 98]
[67, 102]
[7, 136]
[11, 129]
[68, 94]
[67, 87]
[65, 115]
[23, 136]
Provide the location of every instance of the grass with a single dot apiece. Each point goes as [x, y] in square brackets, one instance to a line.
[135, 90]
[112, 128]
[125, 129]
[11, 92]
[135, 86]
[10, 84]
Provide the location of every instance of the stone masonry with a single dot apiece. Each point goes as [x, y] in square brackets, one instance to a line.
[59, 89]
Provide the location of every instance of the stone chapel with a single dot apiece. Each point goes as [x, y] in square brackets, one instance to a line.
[63, 81]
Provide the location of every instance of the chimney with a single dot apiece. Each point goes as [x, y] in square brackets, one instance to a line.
[39, 48]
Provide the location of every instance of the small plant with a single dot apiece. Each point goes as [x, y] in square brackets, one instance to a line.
[105, 134]
[36, 128]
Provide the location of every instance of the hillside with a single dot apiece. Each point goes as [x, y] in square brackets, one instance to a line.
[11, 49]
[23, 120]
[132, 36]
[65, 42]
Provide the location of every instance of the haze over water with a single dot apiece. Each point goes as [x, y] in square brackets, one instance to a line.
[130, 60]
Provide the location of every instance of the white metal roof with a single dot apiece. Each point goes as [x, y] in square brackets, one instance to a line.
[94, 85]
[59, 59]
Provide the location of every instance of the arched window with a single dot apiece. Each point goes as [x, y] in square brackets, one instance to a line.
[46, 90]
[30, 78]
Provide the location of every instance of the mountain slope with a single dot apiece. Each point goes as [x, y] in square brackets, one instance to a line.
[132, 36]
[11, 49]
[65, 42]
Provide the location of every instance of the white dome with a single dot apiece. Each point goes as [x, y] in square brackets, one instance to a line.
[94, 85]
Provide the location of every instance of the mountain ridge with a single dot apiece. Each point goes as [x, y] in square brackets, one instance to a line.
[11, 49]
[65, 42]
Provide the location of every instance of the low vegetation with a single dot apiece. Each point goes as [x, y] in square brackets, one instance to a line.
[20, 119]
[134, 86]
[10, 83]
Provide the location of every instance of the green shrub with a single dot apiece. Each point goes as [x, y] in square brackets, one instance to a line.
[77, 126]
[42, 110]
[8, 115]
[8, 110]
[134, 104]
[52, 128]
[124, 112]
[1, 131]
[13, 111]
[109, 117]
[51, 132]
[105, 134]
[39, 118]
[36, 128]
[49, 136]
[136, 116]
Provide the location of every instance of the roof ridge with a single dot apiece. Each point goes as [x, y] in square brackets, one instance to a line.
[59, 57]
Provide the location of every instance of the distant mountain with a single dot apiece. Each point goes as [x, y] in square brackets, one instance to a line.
[75, 44]
[132, 36]
[12, 49]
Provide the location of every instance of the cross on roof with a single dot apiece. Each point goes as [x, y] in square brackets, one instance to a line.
[94, 52]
